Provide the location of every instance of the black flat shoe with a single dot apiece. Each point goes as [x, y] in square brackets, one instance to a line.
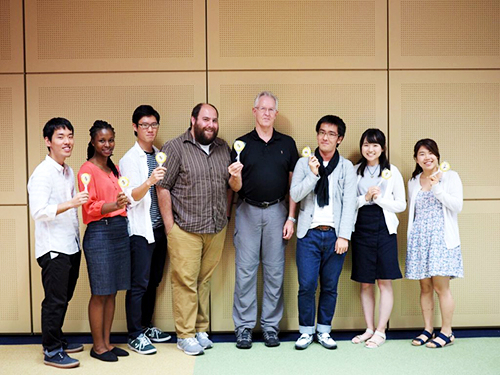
[119, 352]
[106, 356]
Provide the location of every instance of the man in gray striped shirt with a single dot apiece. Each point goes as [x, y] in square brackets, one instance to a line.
[193, 200]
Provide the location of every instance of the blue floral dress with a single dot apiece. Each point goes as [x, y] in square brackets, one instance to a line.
[427, 254]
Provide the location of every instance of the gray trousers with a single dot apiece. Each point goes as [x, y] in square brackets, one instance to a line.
[259, 233]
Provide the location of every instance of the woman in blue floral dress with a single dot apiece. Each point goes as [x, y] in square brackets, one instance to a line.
[434, 254]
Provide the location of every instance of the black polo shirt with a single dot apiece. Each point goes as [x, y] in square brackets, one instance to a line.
[266, 166]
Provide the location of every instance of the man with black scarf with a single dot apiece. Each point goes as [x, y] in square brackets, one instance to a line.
[325, 186]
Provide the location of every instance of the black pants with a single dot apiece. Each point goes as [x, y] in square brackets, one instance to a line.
[59, 276]
[147, 265]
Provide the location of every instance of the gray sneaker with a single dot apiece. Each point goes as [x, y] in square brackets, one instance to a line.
[244, 339]
[141, 345]
[203, 340]
[61, 360]
[326, 341]
[190, 346]
[271, 339]
[303, 341]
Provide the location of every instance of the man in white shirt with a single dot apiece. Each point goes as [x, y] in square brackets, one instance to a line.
[148, 242]
[54, 206]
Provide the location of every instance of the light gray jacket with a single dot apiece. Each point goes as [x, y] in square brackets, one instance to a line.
[344, 199]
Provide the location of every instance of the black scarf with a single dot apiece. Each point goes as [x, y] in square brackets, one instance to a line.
[321, 189]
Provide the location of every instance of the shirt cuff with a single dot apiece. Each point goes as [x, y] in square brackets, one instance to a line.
[51, 211]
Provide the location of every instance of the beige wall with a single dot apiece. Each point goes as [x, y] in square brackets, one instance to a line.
[411, 68]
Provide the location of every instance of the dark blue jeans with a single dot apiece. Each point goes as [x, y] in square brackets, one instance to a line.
[316, 257]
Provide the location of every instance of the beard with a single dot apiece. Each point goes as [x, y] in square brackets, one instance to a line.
[201, 137]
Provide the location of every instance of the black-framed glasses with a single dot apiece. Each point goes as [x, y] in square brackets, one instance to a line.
[330, 135]
[145, 125]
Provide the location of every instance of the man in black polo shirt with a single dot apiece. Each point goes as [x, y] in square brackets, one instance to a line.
[263, 223]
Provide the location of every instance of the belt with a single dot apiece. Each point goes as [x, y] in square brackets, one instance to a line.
[323, 228]
[262, 204]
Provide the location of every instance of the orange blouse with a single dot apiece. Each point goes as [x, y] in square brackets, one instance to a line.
[102, 188]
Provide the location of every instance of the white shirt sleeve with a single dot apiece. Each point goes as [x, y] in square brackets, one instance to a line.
[39, 189]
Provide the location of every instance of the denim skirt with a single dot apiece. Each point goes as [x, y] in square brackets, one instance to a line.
[374, 250]
[106, 246]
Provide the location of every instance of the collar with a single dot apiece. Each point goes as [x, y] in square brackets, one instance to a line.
[138, 149]
[188, 137]
[60, 168]
[276, 135]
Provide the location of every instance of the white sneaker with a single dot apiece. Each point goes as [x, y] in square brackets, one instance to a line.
[303, 341]
[190, 346]
[203, 340]
[326, 341]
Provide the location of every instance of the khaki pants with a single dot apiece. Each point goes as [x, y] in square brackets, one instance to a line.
[193, 258]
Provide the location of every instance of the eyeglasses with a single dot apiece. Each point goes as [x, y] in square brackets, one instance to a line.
[145, 125]
[272, 111]
[330, 135]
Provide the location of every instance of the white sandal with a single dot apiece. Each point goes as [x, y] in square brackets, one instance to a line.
[372, 344]
[359, 338]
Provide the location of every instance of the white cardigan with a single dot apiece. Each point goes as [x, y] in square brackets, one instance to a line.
[449, 192]
[393, 200]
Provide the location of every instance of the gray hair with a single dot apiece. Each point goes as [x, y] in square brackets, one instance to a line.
[265, 93]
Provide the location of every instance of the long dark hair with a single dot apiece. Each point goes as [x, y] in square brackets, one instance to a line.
[373, 136]
[430, 145]
[100, 125]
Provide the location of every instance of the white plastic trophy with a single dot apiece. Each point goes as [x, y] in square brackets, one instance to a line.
[161, 158]
[85, 178]
[306, 152]
[123, 182]
[443, 167]
[386, 175]
[238, 147]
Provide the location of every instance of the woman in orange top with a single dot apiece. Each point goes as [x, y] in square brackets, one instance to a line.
[106, 241]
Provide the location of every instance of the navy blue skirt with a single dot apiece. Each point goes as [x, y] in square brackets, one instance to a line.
[374, 250]
[106, 246]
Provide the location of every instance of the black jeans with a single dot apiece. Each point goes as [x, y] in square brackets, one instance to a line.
[59, 276]
[148, 263]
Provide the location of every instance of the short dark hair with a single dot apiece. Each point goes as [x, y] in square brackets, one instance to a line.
[333, 120]
[197, 108]
[430, 145]
[56, 123]
[144, 110]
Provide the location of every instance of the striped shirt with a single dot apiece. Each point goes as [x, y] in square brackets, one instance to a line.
[154, 210]
[197, 183]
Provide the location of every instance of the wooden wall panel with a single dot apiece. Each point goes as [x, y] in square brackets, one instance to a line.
[128, 35]
[446, 34]
[460, 110]
[11, 36]
[15, 310]
[297, 34]
[13, 149]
